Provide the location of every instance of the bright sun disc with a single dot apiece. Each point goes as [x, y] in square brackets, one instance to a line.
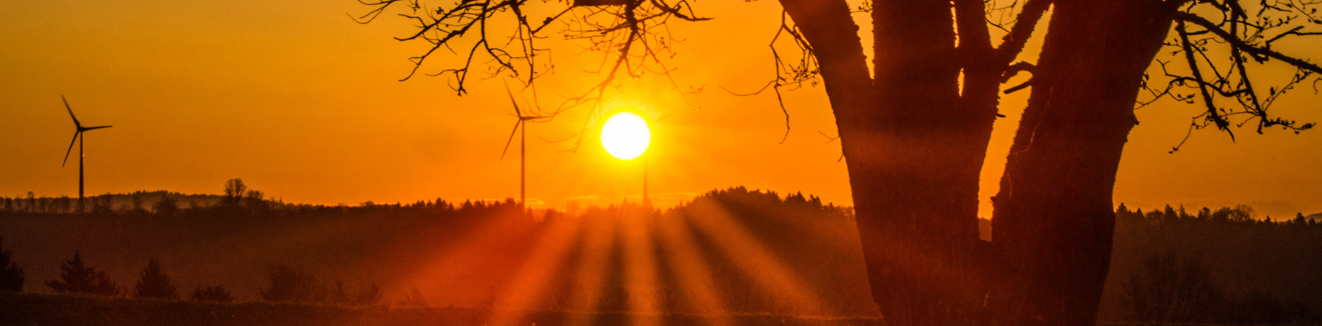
[625, 135]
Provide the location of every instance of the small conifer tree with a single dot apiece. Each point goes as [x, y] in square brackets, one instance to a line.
[11, 276]
[77, 278]
[154, 283]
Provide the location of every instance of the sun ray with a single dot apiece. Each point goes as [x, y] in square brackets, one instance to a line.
[692, 271]
[591, 274]
[532, 279]
[754, 259]
[489, 244]
[642, 285]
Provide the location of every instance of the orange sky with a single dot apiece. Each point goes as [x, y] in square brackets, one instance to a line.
[302, 103]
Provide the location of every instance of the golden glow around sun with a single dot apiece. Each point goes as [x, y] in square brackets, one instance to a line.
[625, 135]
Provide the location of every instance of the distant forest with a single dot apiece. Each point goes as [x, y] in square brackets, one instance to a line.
[757, 252]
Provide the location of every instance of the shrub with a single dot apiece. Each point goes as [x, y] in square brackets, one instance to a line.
[213, 294]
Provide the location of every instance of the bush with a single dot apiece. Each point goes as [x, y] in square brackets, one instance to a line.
[293, 285]
[212, 294]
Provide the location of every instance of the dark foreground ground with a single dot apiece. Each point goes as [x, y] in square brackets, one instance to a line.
[46, 309]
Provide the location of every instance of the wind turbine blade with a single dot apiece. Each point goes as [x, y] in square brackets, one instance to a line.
[66, 153]
[97, 127]
[516, 104]
[66, 107]
[663, 118]
[507, 142]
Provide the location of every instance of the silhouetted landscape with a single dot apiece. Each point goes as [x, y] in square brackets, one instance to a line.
[732, 252]
[665, 162]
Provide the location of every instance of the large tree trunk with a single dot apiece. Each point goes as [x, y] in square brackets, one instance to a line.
[1053, 218]
[914, 152]
[913, 166]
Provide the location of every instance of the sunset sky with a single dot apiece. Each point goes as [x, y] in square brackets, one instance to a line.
[304, 104]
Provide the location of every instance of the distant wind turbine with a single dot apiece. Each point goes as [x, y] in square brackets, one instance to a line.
[523, 144]
[78, 140]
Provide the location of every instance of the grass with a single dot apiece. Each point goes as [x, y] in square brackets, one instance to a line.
[51, 309]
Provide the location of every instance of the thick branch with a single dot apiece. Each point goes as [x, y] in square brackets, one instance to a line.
[1013, 42]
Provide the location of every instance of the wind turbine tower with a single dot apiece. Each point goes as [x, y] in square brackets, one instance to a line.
[78, 140]
[523, 144]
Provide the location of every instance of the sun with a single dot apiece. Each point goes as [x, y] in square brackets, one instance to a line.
[625, 135]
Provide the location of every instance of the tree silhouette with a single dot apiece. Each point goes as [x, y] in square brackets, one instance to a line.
[102, 204]
[76, 278]
[11, 275]
[153, 283]
[256, 200]
[63, 204]
[167, 205]
[32, 202]
[136, 202]
[914, 128]
[234, 191]
[212, 294]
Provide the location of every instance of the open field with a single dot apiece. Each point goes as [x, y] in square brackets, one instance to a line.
[47, 309]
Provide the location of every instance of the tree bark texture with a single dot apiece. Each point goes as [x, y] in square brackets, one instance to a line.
[914, 150]
[1053, 218]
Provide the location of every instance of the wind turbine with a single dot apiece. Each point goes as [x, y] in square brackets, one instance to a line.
[523, 144]
[78, 140]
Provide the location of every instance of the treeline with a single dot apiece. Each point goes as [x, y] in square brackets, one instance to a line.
[728, 251]
[285, 284]
[1214, 266]
[469, 254]
[236, 199]
[242, 238]
[135, 202]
